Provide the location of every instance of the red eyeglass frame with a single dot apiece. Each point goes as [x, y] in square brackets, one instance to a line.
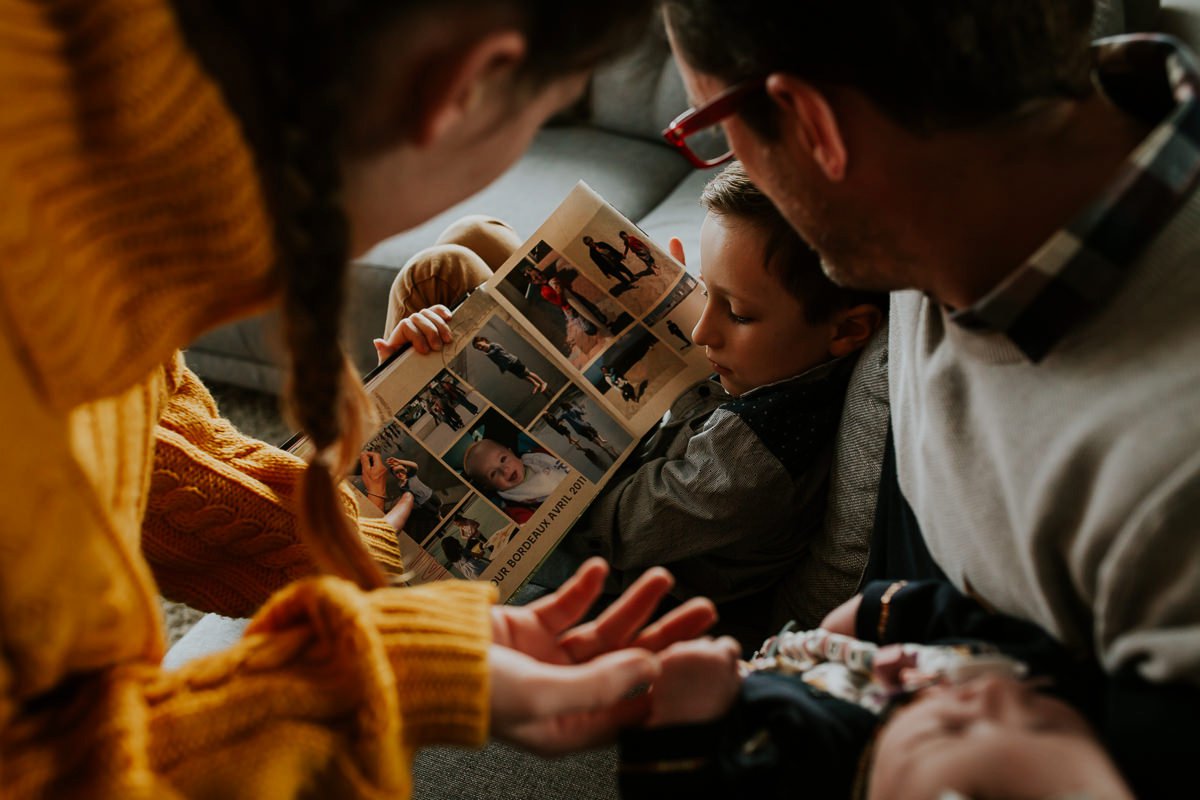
[694, 120]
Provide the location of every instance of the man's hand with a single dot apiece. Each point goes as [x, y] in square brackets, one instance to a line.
[558, 687]
[427, 331]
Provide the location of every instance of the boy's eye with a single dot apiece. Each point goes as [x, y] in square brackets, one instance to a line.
[737, 319]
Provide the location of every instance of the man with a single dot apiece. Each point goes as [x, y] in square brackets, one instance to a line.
[610, 261]
[1041, 197]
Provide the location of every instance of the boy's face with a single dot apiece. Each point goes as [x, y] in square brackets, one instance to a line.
[752, 330]
[481, 344]
[990, 737]
[495, 465]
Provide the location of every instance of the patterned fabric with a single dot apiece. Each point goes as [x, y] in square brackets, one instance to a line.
[844, 667]
[798, 417]
[1155, 79]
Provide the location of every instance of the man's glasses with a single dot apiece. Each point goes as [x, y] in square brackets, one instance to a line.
[693, 133]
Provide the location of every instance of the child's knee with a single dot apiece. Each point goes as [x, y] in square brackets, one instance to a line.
[439, 274]
[492, 239]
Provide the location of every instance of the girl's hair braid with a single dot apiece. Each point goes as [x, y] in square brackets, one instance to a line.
[300, 49]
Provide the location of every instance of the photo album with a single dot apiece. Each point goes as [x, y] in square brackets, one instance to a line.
[559, 365]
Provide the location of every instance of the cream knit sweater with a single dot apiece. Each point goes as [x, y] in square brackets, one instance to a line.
[1068, 492]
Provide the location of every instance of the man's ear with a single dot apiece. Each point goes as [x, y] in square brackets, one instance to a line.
[813, 118]
[453, 80]
[852, 328]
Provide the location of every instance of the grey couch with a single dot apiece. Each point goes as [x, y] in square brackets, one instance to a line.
[612, 141]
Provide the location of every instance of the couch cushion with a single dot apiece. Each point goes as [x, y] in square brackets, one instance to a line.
[680, 215]
[1181, 18]
[634, 175]
[639, 93]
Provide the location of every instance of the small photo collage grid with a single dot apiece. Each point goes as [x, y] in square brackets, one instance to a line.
[501, 428]
[481, 446]
[614, 305]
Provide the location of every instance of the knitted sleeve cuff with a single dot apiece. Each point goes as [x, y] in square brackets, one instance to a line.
[380, 539]
[437, 638]
[377, 534]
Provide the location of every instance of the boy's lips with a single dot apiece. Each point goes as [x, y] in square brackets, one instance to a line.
[717, 368]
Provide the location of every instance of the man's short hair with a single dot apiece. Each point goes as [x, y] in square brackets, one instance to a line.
[786, 255]
[928, 65]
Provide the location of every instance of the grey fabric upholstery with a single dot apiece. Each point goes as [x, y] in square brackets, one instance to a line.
[839, 552]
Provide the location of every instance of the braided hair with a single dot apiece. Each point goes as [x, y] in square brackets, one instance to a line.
[288, 68]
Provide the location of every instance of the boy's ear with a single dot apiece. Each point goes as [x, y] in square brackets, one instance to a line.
[808, 114]
[852, 328]
[452, 81]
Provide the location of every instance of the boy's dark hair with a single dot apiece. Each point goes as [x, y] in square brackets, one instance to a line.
[786, 255]
[929, 65]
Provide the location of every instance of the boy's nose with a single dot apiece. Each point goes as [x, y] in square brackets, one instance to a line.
[705, 333]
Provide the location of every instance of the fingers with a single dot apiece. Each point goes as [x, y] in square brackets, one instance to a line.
[620, 622]
[425, 331]
[675, 245]
[566, 606]
[699, 681]
[382, 349]
[432, 329]
[686, 622]
[364, 461]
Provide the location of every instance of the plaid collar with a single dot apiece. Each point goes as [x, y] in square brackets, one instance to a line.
[1152, 77]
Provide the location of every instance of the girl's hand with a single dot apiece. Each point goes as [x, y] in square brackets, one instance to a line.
[558, 686]
[426, 331]
[546, 629]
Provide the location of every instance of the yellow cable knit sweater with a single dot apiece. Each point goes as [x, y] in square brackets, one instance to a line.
[130, 221]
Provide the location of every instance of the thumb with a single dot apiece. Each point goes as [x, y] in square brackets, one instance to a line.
[382, 349]
[675, 245]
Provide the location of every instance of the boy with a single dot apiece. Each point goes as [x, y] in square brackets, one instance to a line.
[824, 714]
[731, 485]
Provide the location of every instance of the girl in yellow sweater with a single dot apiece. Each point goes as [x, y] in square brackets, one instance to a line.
[166, 167]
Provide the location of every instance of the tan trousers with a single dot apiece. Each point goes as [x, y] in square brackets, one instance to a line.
[464, 256]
